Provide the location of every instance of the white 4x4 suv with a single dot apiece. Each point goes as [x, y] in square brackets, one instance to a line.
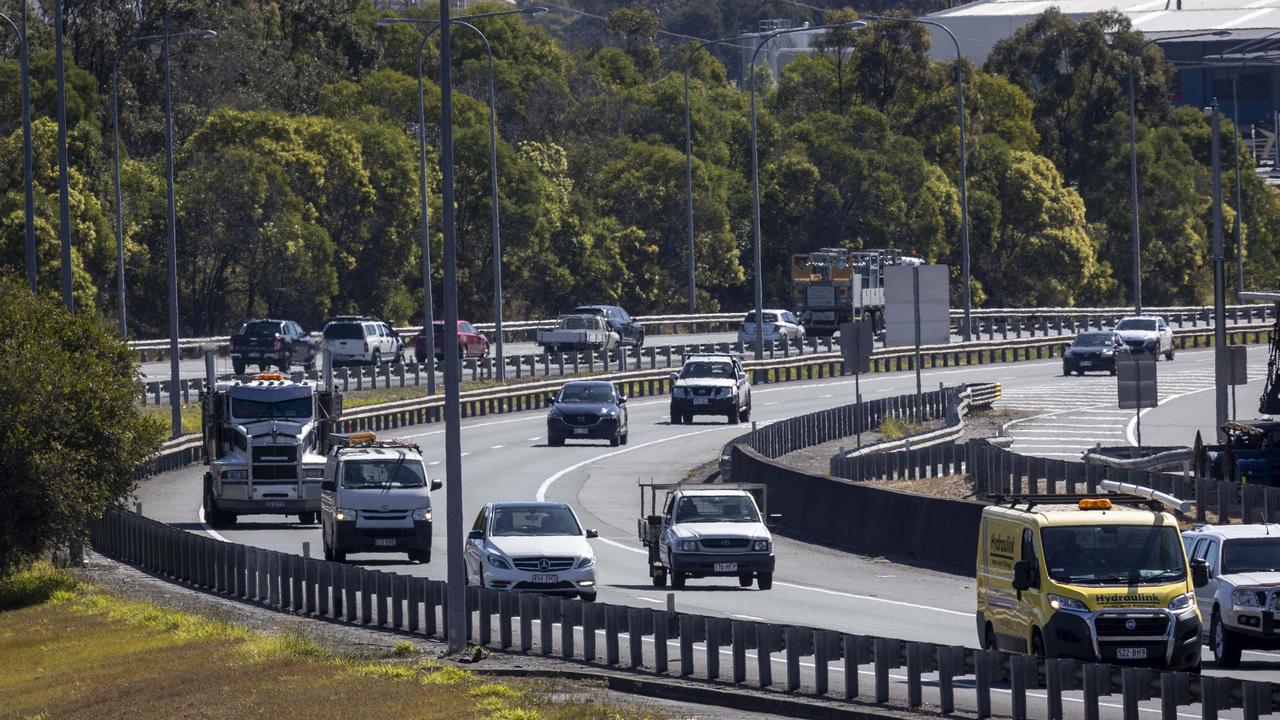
[1242, 598]
[355, 340]
[710, 385]
[1147, 333]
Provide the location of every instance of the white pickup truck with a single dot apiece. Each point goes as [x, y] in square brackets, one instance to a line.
[706, 531]
[578, 332]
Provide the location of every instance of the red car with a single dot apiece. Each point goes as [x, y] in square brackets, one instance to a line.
[471, 342]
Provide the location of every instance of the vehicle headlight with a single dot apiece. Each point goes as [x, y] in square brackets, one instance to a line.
[722, 391]
[1059, 602]
[1244, 598]
[763, 545]
[237, 474]
[499, 562]
[689, 545]
[586, 562]
[313, 473]
[554, 412]
[1108, 351]
[422, 515]
[1069, 352]
[677, 392]
[1182, 602]
[342, 514]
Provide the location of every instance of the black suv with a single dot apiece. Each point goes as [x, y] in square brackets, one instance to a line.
[273, 342]
[1094, 351]
[629, 331]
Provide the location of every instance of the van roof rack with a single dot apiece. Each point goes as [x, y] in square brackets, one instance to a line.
[1012, 501]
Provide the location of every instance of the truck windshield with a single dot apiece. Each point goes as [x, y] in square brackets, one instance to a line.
[1113, 554]
[291, 409]
[716, 508]
[1251, 555]
[260, 327]
[700, 369]
[383, 472]
[534, 520]
[1137, 324]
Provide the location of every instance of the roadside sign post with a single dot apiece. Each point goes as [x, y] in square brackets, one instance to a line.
[917, 309]
[1136, 386]
[1237, 370]
[856, 344]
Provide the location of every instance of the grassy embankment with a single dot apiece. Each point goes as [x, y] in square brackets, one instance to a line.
[71, 650]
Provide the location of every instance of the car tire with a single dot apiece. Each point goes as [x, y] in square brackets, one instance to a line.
[745, 415]
[285, 363]
[420, 556]
[676, 417]
[1037, 644]
[745, 579]
[328, 553]
[660, 579]
[677, 580]
[1169, 355]
[640, 340]
[764, 580]
[400, 356]
[1113, 372]
[554, 441]
[989, 638]
[1066, 371]
[615, 441]
[238, 366]
[376, 360]
[216, 518]
[1225, 645]
[587, 596]
[733, 415]
[688, 418]
[623, 439]
[338, 555]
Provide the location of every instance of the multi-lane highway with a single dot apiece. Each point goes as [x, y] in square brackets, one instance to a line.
[506, 457]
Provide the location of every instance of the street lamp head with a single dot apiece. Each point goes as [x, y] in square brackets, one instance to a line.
[206, 34]
[534, 10]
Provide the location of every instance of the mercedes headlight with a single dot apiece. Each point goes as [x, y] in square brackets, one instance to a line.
[343, 514]
[586, 562]
[1059, 602]
[422, 515]
[1182, 602]
[1245, 598]
[689, 545]
[499, 562]
[236, 474]
[763, 545]
[313, 473]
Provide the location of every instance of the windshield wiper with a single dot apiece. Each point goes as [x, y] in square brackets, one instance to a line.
[1170, 574]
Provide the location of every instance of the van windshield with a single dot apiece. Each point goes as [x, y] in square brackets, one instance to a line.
[383, 472]
[1113, 554]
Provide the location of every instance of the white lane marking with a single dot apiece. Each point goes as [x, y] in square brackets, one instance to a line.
[1059, 436]
[872, 598]
[433, 462]
[464, 454]
[212, 533]
[535, 438]
[495, 447]
[649, 599]
[778, 402]
[747, 617]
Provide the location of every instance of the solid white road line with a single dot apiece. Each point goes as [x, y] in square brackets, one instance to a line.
[212, 533]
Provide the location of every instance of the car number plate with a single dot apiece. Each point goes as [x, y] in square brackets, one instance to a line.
[579, 431]
[700, 401]
[726, 567]
[384, 542]
[275, 504]
[1131, 653]
[1086, 363]
[546, 578]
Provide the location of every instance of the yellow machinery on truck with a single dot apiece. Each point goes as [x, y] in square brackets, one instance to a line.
[832, 286]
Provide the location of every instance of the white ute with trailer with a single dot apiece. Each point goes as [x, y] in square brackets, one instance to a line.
[264, 442]
[706, 531]
[579, 332]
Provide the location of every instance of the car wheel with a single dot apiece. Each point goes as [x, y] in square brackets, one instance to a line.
[1037, 643]
[675, 416]
[1066, 371]
[677, 580]
[615, 441]
[587, 596]
[640, 340]
[745, 415]
[339, 555]
[400, 356]
[1226, 646]
[1113, 372]
[733, 415]
[1169, 355]
[989, 638]
[624, 438]
[688, 418]
[238, 366]
[745, 579]
[328, 553]
[554, 441]
[285, 363]
[420, 556]
[764, 580]
[659, 578]
[376, 360]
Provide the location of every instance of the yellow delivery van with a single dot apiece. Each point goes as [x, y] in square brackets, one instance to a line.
[1094, 577]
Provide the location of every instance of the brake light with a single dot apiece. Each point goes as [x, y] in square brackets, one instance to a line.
[366, 346]
[277, 342]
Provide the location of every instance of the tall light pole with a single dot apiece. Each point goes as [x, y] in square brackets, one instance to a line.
[755, 170]
[64, 193]
[1133, 160]
[1235, 150]
[967, 332]
[115, 130]
[688, 168]
[28, 206]
[1219, 304]
[428, 315]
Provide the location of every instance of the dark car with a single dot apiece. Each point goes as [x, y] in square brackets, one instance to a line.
[1094, 352]
[471, 342]
[587, 410]
[266, 342]
[629, 331]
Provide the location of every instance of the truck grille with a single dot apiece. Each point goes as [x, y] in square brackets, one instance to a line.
[725, 543]
[702, 391]
[275, 453]
[552, 564]
[1118, 626]
[275, 472]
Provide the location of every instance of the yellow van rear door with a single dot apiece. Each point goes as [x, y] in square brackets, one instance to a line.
[999, 597]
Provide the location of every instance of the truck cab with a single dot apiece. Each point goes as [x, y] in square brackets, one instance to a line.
[264, 443]
[375, 498]
[702, 531]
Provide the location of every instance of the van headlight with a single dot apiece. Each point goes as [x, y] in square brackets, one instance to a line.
[313, 473]
[763, 545]
[1059, 602]
[1182, 602]
[1244, 598]
[689, 545]
[586, 562]
[344, 514]
[237, 474]
[422, 515]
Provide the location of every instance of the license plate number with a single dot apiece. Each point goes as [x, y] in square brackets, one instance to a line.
[275, 504]
[546, 578]
[579, 431]
[726, 567]
[700, 401]
[384, 542]
[1137, 653]
[1086, 363]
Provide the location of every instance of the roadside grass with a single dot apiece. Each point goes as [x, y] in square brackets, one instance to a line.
[72, 650]
[896, 429]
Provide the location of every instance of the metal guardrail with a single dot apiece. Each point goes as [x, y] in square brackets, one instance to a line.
[660, 643]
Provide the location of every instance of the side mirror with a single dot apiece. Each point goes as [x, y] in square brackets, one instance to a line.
[593, 533]
[328, 486]
[436, 485]
[551, 399]
[1023, 575]
[622, 399]
[674, 376]
[1199, 573]
[475, 535]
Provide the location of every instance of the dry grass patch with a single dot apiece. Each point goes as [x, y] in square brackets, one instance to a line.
[71, 651]
[951, 486]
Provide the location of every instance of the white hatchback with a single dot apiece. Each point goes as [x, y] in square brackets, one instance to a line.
[531, 547]
[779, 325]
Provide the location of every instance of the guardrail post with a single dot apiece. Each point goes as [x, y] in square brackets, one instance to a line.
[1130, 679]
[881, 646]
[635, 637]
[712, 642]
[431, 591]
[947, 664]
[546, 623]
[1254, 692]
[589, 631]
[764, 654]
[792, 640]
[821, 659]
[296, 570]
[661, 623]
[568, 621]
[526, 622]
[1054, 669]
[686, 645]
[1208, 697]
[983, 661]
[914, 698]
[739, 641]
[1092, 678]
[505, 601]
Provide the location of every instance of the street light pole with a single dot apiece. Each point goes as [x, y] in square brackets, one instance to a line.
[64, 193]
[688, 169]
[755, 171]
[28, 205]
[428, 317]
[967, 332]
[1219, 310]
